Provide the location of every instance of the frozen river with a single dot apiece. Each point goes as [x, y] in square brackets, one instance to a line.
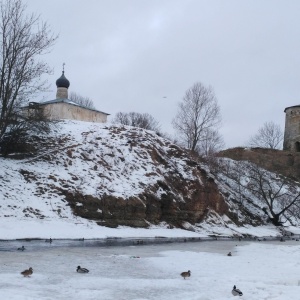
[262, 270]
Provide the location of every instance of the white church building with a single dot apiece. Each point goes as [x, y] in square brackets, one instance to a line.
[63, 108]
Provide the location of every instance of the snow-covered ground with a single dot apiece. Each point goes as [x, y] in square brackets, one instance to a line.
[261, 270]
[11, 229]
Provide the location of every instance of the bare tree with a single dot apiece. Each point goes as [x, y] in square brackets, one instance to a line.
[198, 113]
[81, 100]
[135, 119]
[23, 39]
[211, 143]
[278, 196]
[269, 135]
[18, 137]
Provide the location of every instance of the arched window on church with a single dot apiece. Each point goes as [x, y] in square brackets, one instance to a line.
[297, 146]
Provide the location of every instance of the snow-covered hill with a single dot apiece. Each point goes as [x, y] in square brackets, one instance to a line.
[87, 175]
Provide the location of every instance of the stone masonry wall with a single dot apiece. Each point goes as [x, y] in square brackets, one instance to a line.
[292, 129]
[284, 162]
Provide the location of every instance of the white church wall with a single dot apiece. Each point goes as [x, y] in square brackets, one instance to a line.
[57, 111]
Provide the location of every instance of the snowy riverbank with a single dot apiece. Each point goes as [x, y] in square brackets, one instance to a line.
[11, 229]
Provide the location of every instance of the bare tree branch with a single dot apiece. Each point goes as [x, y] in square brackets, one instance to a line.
[211, 143]
[278, 194]
[81, 100]
[269, 135]
[135, 119]
[23, 40]
[198, 113]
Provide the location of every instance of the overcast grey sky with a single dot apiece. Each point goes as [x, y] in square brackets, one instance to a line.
[127, 55]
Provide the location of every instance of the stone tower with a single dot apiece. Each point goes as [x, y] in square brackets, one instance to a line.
[62, 84]
[291, 140]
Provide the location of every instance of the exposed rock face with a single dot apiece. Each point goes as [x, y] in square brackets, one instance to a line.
[181, 201]
[283, 162]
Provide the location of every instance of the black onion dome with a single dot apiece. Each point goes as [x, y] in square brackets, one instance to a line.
[62, 81]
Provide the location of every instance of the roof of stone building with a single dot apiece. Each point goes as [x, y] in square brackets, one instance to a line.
[62, 81]
[67, 101]
[291, 107]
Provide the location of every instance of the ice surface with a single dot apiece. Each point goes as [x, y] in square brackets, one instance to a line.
[262, 270]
